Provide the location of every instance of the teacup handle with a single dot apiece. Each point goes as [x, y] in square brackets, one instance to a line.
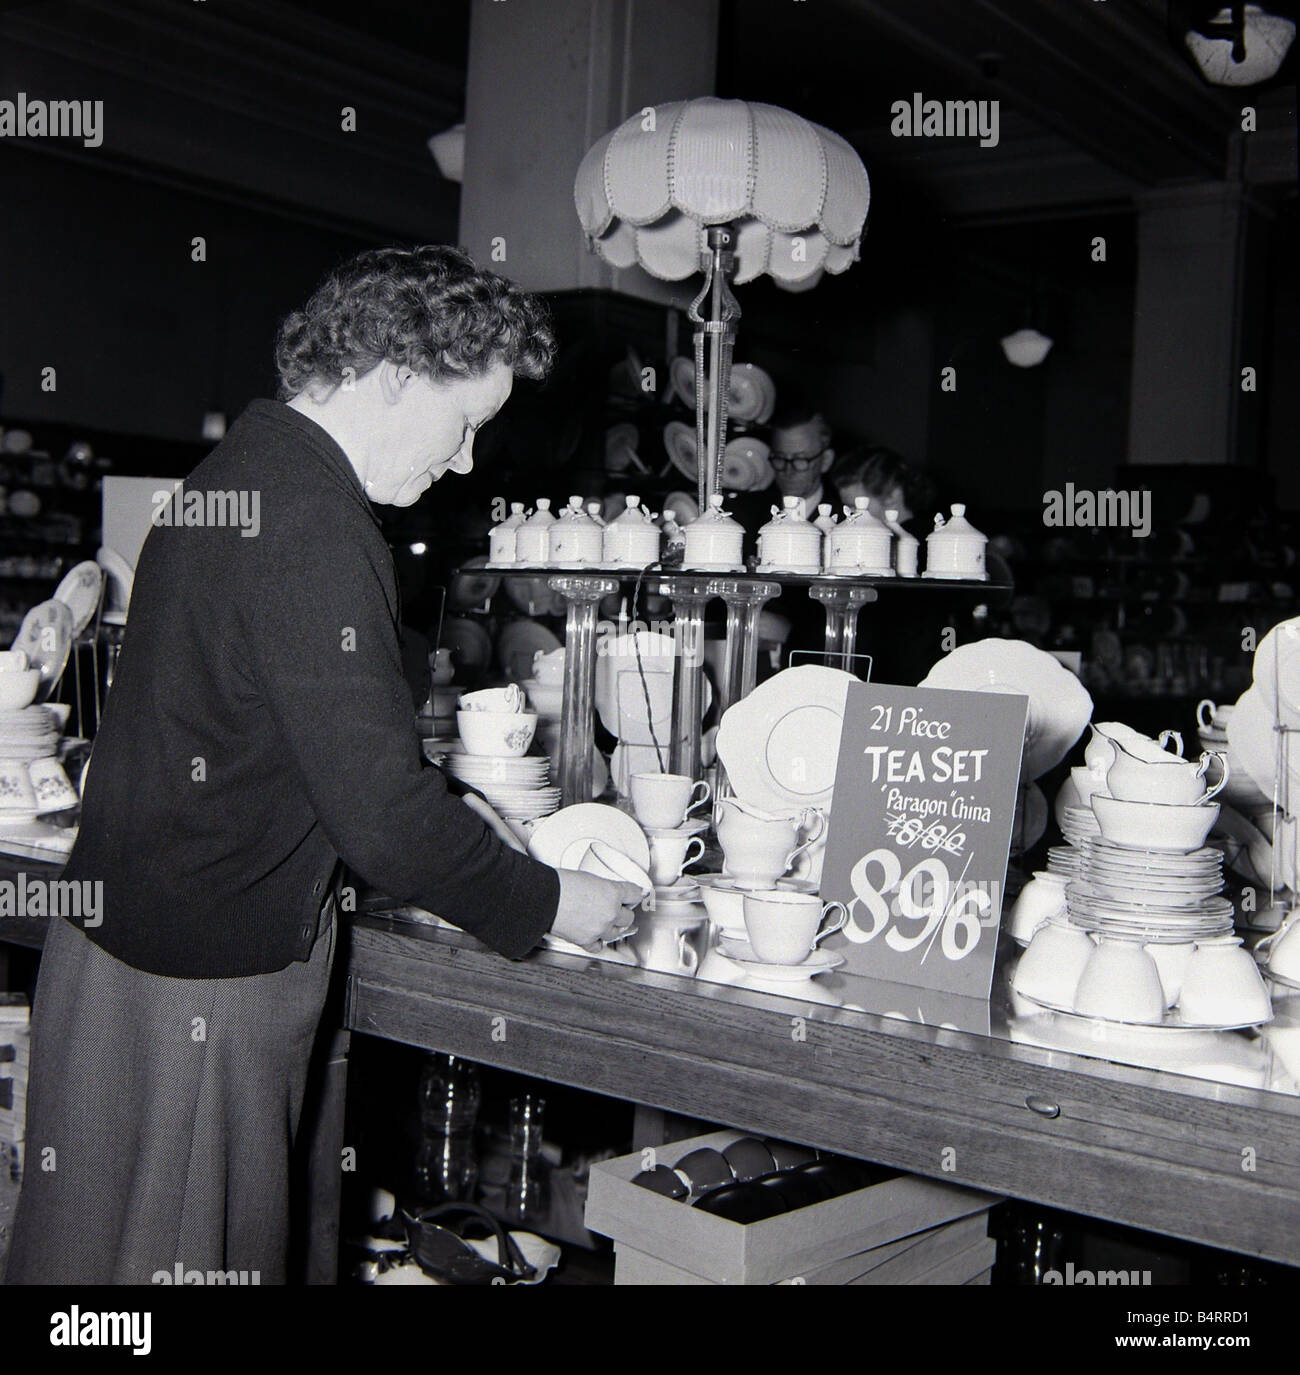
[687, 955]
[816, 826]
[836, 926]
[1204, 765]
[1166, 736]
[698, 802]
[687, 857]
[1205, 713]
[813, 838]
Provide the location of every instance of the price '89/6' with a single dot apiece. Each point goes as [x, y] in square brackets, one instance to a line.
[952, 910]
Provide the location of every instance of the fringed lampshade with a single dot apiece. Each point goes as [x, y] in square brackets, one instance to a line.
[733, 188]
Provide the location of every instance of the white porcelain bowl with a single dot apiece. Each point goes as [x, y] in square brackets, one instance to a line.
[1154, 825]
[507, 733]
[18, 688]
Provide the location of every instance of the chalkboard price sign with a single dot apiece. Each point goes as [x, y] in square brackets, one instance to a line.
[920, 831]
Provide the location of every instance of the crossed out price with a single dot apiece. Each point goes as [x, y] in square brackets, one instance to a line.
[921, 911]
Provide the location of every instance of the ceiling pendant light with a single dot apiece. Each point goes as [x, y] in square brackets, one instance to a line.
[1027, 347]
[1240, 44]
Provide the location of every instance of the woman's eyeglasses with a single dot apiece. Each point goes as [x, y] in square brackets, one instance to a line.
[799, 462]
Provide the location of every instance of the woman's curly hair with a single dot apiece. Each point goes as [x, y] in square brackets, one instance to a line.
[431, 308]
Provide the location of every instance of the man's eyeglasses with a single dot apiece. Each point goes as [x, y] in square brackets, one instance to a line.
[799, 462]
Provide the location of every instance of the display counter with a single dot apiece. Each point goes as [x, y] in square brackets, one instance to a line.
[1206, 1151]
[1197, 1138]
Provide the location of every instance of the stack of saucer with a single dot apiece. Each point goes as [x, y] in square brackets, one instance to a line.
[1153, 895]
[1078, 824]
[1063, 860]
[518, 789]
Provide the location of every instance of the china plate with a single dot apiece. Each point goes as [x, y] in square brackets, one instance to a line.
[571, 829]
[80, 592]
[620, 696]
[518, 642]
[1172, 1021]
[780, 745]
[1277, 666]
[751, 394]
[679, 442]
[742, 953]
[46, 639]
[1059, 704]
[1254, 741]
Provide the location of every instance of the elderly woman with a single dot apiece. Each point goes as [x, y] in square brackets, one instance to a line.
[259, 736]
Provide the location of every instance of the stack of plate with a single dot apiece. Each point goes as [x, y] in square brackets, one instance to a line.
[1079, 824]
[1155, 895]
[1063, 860]
[29, 733]
[518, 789]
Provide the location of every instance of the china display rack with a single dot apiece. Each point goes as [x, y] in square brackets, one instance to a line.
[744, 594]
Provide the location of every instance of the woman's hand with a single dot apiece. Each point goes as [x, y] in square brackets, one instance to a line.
[592, 910]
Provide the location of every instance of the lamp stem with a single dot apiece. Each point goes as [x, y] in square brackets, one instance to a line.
[711, 392]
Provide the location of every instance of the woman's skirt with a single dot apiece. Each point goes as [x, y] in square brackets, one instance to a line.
[160, 1118]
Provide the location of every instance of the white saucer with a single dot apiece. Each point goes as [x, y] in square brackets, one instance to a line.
[572, 829]
[741, 953]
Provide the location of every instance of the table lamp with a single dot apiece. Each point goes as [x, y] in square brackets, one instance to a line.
[734, 189]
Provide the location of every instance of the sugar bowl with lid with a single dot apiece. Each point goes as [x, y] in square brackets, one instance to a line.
[955, 548]
[789, 542]
[860, 543]
[632, 540]
[575, 537]
[715, 541]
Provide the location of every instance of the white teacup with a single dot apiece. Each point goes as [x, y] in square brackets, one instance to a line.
[663, 801]
[604, 861]
[548, 667]
[670, 853]
[13, 661]
[1212, 717]
[1284, 956]
[1049, 969]
[1120, 983]
[669, 943]
[505, 699]
[1222, 986]
[785, 927]
[1042, 897]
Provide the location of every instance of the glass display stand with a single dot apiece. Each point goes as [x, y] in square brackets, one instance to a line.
[841, 595]
[689, 596]
[841, 605]
[582, 594]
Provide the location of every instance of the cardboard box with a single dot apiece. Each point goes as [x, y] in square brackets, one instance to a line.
[795, 1243]
[15, 1050]
[909, 1260]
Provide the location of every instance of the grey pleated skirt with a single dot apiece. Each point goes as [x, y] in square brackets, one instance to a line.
[160, 1117]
